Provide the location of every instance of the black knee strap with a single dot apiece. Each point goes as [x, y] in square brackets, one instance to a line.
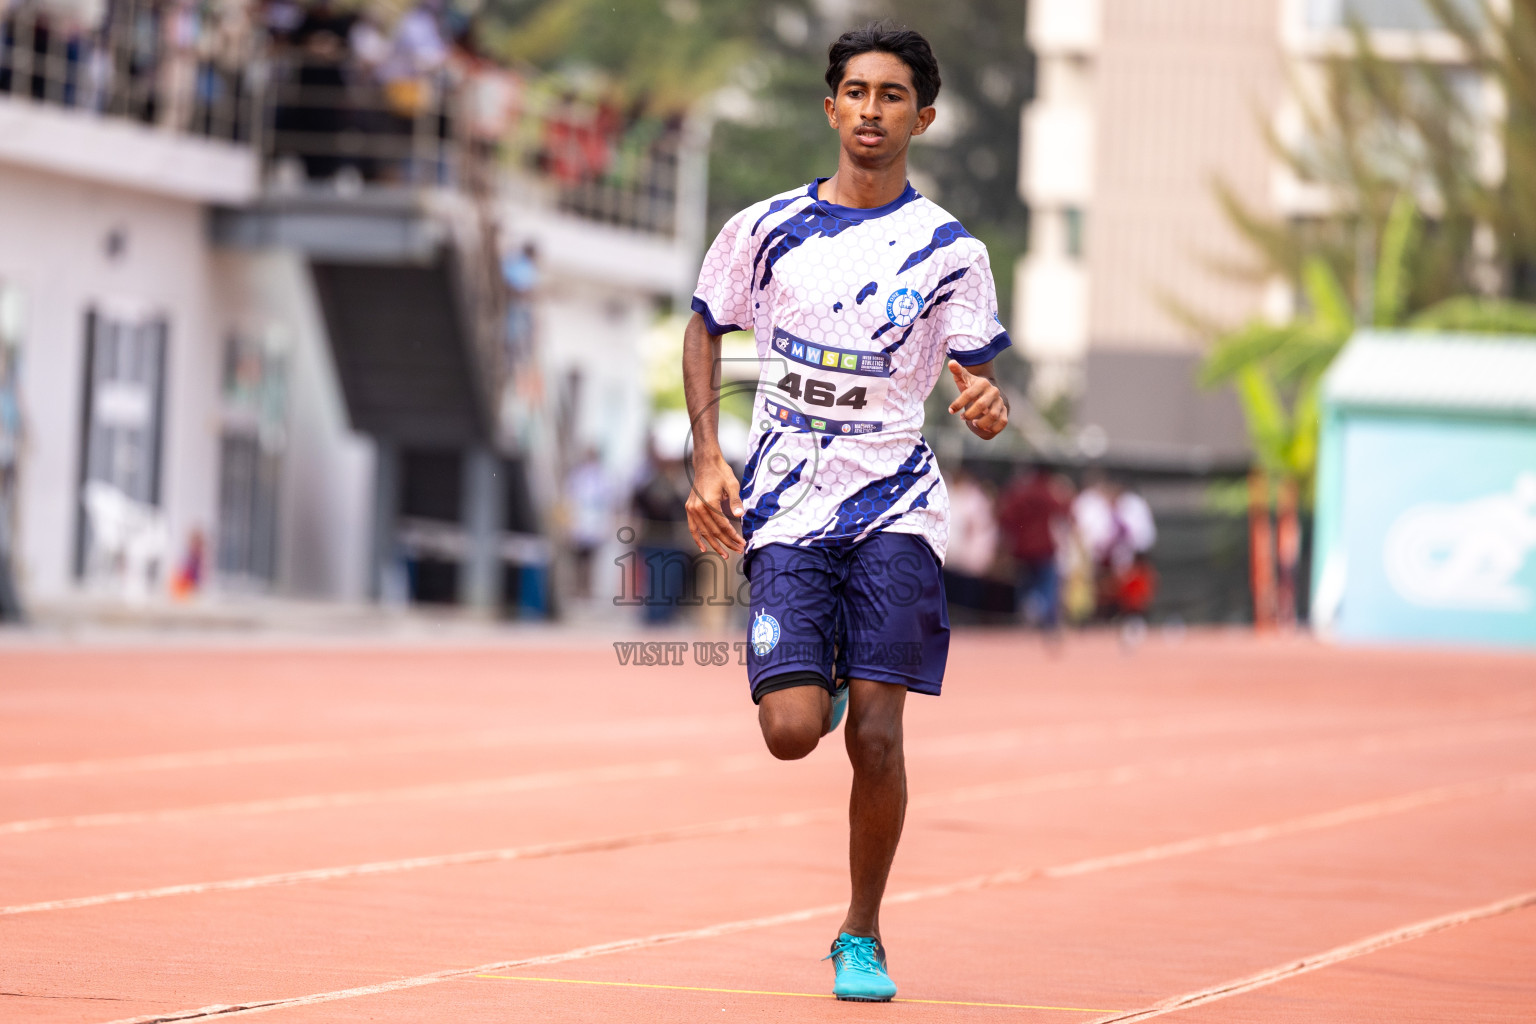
[800, 677]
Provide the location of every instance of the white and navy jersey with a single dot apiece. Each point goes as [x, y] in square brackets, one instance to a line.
[855, 312]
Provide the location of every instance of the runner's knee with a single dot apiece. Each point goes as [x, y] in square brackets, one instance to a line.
[874, 743]
[792, 720]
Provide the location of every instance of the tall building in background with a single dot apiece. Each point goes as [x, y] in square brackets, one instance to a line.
[1140, 109]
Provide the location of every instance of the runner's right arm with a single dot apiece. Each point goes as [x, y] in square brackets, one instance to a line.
[716, 494]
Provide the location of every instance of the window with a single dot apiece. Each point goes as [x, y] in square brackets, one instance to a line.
[254, 415]
[120, 447]
[1410, 15]
[1073, 230]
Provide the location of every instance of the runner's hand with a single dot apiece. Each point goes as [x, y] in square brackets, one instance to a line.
[714, 492]
[980, 404]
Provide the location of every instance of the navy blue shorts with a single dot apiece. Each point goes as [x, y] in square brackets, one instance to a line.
[874, 611]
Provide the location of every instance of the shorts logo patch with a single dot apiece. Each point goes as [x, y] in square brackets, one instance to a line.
[765, 633]
[903, 307]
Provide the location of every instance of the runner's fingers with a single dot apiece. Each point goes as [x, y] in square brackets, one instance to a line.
[976, 401]
[959, 372]
[969, 394]
[733, 497]
[710, 525]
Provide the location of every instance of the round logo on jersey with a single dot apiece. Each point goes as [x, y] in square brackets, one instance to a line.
[765, 633]
[903, 306]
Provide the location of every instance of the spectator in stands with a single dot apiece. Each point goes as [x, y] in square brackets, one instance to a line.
[1035, 516]
[417, 52]
[179, 30]
[321, 38]
[489, 93]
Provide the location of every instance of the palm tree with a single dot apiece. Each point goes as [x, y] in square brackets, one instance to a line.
[1277, 369]
[1388, 140]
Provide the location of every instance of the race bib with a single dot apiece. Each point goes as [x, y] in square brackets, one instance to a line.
[827, 390]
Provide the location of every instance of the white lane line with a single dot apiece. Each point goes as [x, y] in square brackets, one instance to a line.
[1012, 876]
[955, 745]
[1080, 779]
[529, 852]
[318, 801]
[591, 732]
[1318, 961]
[649, 728]
[653, 728]
[965, 743]
[1056, 781]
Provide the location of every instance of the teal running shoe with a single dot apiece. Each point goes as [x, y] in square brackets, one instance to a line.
[839, 705]
[860, 965]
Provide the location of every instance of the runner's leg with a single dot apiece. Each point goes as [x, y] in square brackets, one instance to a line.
[794, 720]
[878, 804]
[791, 640]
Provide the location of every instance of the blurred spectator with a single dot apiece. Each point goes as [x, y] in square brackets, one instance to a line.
[1117, 532]
[188, 579]
[368, 43]
[489, 93]
[179, 30]
[321, 38]
[580, 140]
[521, 272]
[589, 501]
[972, 539]
[1132, 589]
[416, 52]
[40, 52]
[1135, 531]
[662, 538]
[1034, 516]
[282, 19]
[1131, 582]
[1093, 516]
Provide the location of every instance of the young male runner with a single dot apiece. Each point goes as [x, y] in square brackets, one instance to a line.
[859, 290]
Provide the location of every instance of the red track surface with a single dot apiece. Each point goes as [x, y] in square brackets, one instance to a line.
[1091, 835]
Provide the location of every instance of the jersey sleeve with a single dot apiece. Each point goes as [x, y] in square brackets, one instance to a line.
[724, 294]
[967, 315]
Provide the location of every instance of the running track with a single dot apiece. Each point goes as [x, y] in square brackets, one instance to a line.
[1213, 830]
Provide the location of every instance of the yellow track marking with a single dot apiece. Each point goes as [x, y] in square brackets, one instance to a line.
[797, 995]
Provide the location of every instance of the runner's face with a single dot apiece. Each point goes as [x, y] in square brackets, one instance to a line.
[875, 111]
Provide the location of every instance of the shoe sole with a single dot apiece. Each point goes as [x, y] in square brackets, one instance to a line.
[865, 999]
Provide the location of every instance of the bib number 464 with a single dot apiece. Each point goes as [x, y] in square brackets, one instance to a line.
[821, 392]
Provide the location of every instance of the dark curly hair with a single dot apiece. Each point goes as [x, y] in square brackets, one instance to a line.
[879, 37]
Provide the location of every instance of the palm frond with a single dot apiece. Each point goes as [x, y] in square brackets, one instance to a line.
[1246, 347]
[1330, 303]
[1479, 316]
[1392, 269]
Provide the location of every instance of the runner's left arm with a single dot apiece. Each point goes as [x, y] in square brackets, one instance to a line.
[972, 331]
[981, 404]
